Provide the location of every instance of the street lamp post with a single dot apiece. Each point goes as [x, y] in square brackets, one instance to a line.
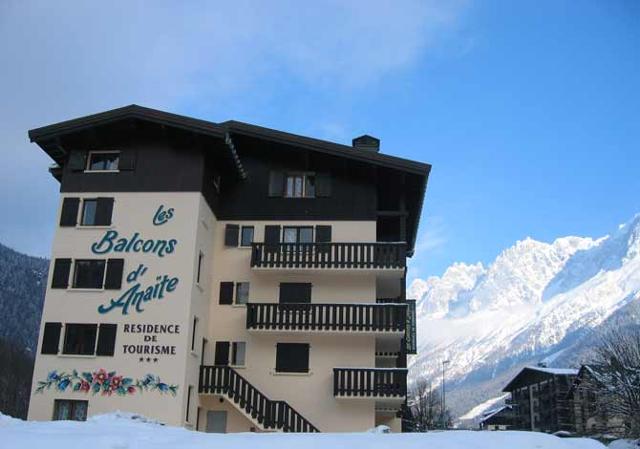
[444, 403]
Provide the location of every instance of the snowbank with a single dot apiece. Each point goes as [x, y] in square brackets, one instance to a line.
[125, 431]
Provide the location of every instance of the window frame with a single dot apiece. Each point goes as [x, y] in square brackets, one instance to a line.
[73, 404]
[199, 268]
[241, 242]
[237, 290]
[298, 229]
[88, 168]
[67, 327]
[75, 274]
[194, 326]
[233, 351]
[82, 211]
[305, 177]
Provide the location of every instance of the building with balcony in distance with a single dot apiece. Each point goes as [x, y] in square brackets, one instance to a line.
[592, 414]
[226, 277]
[539, 399]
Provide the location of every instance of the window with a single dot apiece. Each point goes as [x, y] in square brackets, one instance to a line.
[231, 353]
[242, 292]
[51, 338]
[89, 273]
[238, 352]
[66, 410]
[297, 234]
[103, 161]
[80, 339]
[89, 212]
[246, 237]
[97, 212]
[300, 185]
[106, 339]
[200, 257]
[190, 390]
[292, 358]
[193, 334]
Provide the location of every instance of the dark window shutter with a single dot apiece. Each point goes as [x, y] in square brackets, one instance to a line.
[69, 214]
[323, 234]
[113, 280]
[127, 160]
[292, 357]
[78, 160]
[222, 353]
[61, 270]
[104, 211]
[276, 183]
[323, 185]
[271, 234]
[51, 338]
[295, 292]
[231, 233]
[106, 339]
[226, 293]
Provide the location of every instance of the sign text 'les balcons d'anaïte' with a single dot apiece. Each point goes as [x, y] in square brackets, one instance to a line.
[136, 295]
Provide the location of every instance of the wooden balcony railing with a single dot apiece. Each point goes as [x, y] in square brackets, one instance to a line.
[276, 415]
[370, 382]
[327, 317]
[376, 255]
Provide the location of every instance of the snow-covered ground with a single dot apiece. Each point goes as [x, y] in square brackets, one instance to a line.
[119, 431]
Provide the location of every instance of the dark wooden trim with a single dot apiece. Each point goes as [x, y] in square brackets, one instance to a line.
[326, 317]
[374, 255]
[370, 382]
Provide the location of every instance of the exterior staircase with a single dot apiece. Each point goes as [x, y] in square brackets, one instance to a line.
[267, 413]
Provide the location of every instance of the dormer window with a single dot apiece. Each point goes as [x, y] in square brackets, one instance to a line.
[103, 161]
[300, 185]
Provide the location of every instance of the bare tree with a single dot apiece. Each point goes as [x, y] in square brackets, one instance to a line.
[616, 370]
[425, 404]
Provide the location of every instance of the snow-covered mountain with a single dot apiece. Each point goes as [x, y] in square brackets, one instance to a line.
[533, 301]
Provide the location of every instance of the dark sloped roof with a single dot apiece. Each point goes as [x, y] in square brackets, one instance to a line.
[126, 112]
[134, 111]
[519, 380]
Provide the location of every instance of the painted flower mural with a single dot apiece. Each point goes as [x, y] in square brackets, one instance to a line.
[104, 382]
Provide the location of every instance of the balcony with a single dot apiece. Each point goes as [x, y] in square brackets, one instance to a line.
[365, 318]
[326, 256]
[376, 383]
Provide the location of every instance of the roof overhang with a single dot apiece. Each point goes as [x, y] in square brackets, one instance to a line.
[49, 138]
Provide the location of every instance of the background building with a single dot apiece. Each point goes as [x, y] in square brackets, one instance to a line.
[539, 398]
[226, 277]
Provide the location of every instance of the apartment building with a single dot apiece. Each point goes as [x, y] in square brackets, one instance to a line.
[226, 277]
[539, 398]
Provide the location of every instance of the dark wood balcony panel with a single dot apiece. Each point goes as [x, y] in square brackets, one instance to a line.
[375, 255]
[370, 382]
[327, 317]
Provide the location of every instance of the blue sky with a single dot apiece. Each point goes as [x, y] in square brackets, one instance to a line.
[528, 111]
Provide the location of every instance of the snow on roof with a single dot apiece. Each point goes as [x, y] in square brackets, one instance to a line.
[494, 412]
[556, 371]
